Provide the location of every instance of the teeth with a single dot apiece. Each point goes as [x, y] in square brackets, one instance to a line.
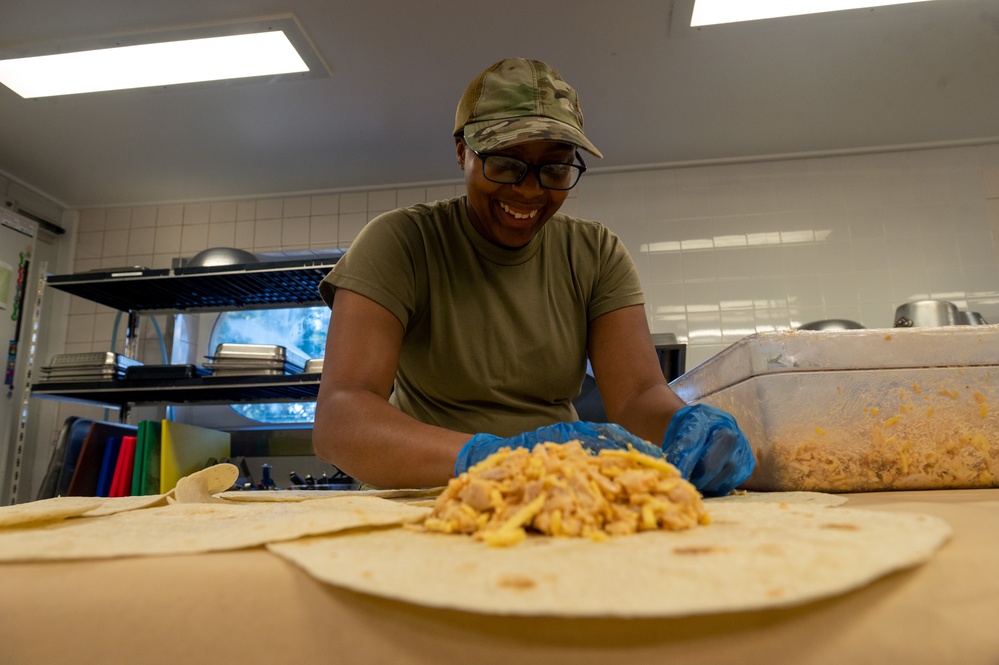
[518, 215]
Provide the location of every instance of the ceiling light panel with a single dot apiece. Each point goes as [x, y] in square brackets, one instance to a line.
[270, 48]
[714, 12]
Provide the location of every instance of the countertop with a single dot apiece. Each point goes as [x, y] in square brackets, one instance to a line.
[250, 606]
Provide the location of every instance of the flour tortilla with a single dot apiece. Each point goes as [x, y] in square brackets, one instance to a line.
[198, 487]
[754, 555]
[62, 507]
[790, 498]
[202, 486]
[309, 495]
[187, 528]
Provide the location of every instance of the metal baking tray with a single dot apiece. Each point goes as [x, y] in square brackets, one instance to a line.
[252, 362]
[250, 372]
[96, 369]
[164, 372]
[107, 374]
[91, 359]
[267, 351]
[252, 365]
[313, 366]
[245, 353]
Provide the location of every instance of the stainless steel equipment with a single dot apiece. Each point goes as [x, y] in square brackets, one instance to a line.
[832, 324]
[971, 319]
[254, 359]
[95, 366]
[221, 256]
[926, 313]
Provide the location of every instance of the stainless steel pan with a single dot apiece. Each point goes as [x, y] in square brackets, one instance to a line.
[926, 313]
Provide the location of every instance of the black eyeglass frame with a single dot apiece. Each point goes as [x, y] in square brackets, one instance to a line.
[581, 167]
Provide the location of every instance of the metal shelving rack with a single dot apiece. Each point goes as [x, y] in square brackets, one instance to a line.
[283, 283]
[203, 390]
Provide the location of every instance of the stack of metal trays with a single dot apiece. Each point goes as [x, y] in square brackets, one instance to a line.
[254, 359]
[95, 366]
[164, 372]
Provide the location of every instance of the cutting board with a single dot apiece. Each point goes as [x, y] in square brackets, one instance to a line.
[147, 458]
[86, 473]
[186, 449]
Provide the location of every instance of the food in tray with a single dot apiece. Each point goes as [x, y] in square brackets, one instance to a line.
[934, 435]
[861, 410]
[562, 490]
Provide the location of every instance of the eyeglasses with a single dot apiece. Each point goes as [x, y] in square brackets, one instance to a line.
[510, 170]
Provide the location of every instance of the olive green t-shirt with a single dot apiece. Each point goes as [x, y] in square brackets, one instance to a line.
[495, 338]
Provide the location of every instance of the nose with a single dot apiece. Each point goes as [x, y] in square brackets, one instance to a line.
[531, 182]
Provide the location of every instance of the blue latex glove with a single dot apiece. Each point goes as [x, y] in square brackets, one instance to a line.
[594, 437]
[708, 447]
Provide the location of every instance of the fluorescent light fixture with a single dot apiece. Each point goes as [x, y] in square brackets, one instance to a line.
[713, 12]
[162, 59]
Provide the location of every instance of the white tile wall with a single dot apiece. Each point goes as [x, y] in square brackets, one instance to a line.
[723, 251]
[735, 249]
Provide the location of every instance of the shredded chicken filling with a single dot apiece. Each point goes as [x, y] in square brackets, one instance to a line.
[562, 490]
[931, 439]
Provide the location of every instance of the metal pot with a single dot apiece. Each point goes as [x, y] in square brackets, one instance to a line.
[971, 319]
[831, 324]
[923, 313]
[220, 256]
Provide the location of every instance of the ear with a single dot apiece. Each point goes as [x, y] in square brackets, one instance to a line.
[459, 143]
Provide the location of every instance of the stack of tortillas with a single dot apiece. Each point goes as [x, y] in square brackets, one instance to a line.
[760, 550]
[190, 519]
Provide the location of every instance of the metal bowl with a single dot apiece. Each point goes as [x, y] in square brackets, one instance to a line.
[831, 324]
[221, 256]
[971, 319]
[919, 313]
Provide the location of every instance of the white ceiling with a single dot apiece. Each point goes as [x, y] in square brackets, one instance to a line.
[653, 91]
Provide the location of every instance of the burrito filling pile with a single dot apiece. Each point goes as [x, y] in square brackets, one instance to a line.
[562, 490]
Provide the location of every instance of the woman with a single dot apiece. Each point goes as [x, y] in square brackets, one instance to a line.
[476, 316]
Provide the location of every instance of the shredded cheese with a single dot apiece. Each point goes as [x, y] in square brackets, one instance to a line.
[562, 490]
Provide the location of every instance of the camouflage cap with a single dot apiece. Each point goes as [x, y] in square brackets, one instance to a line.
[517, 101]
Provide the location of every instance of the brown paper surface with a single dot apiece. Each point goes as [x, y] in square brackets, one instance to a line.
[251, 607]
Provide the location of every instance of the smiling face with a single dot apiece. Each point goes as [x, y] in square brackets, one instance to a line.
[511, 215]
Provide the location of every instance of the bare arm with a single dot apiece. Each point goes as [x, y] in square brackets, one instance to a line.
[634, 390]
[356, 428]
